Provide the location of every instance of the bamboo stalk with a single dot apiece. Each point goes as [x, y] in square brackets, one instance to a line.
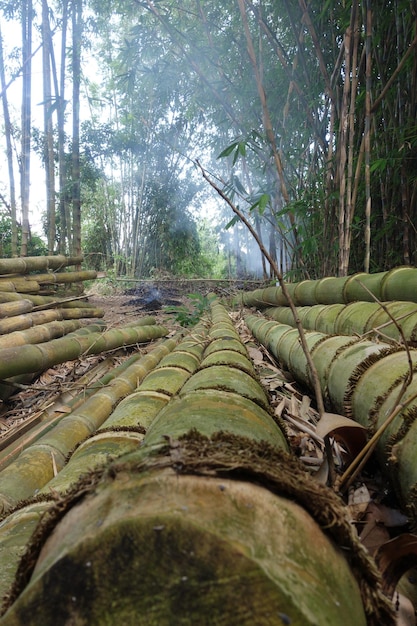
[397, 284]
[8, 309]
[34, 358]
[24, 265]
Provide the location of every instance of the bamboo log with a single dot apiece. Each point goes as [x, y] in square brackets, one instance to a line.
[19, 285]
[52, 278]
[94, 379]
[362, 380]
[23, 265]
[400, 283]
[35, 467]
[8, 309]
[39, 334]
[356, 318]
[125, 427]
[34, 358]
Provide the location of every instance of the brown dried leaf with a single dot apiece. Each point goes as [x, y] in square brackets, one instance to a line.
[351, 434]
[394, 558]
[373, 534]
[322, 475]
[305, 408]
[280, 408]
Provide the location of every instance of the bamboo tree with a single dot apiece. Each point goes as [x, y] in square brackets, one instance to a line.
[367, 134]
[49, 153]
[27, 16]
[9, 150]
[76, 83]
[65, 233]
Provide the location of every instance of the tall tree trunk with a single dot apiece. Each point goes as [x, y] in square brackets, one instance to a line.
[64, 233]
[367, 136]
[9, 150]
[48, 128]
[76, 80]
[26, 121]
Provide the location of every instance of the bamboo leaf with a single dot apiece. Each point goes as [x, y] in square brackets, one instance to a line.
[228, 151]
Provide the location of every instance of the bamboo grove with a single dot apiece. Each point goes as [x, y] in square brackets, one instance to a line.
[312, 107]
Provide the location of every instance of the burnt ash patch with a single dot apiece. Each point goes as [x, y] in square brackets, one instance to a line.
[151, 297]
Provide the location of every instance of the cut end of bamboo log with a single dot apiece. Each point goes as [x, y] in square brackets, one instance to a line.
[149, 543]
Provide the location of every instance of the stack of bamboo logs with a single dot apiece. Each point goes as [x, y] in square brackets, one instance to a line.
[178, 504]
[44, 319]
[365, 370]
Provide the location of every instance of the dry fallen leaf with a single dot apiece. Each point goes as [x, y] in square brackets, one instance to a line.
[394, 558]
[351, 434]
[256, 355]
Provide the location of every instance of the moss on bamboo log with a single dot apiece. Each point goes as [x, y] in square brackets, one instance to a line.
[249, 539]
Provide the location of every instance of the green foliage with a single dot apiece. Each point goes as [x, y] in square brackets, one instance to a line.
[189, 316]
[36, 245]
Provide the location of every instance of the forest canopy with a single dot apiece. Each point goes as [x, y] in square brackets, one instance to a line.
[302, 114]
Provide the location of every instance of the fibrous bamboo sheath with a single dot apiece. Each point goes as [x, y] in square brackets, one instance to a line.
[399, 283]
[222, 527]
[362, 380]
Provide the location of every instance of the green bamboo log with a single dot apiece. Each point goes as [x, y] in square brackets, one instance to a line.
[219, 396]
[64, 277]
[125, 427]
[34, 358]
[9, 309]
[8, 385]
[81, 312]
[27, 320]
[362, 380]
[93, 380]
[35, 467]
[19, 285]
[23, 265]
[400, 283]
[356, 318]
[38, 334]
[44, 301]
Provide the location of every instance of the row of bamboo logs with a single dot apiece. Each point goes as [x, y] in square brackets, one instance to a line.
[170, 495]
